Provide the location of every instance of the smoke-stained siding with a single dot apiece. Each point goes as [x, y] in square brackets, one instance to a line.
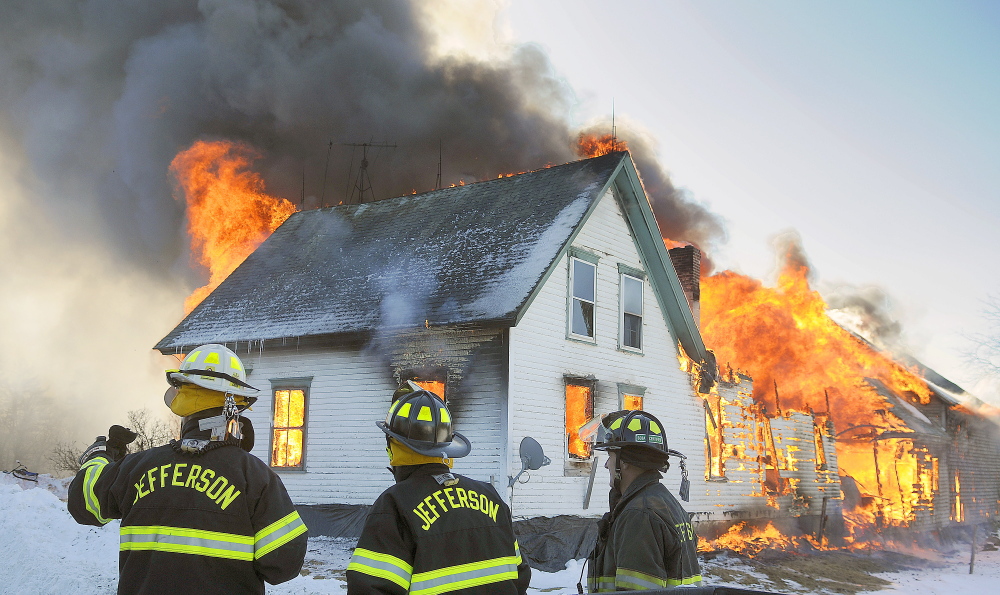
[541, 357]
[476, 361]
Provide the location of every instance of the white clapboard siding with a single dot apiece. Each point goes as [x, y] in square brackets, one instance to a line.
[345, 452]
[541, 356]
[351, 388]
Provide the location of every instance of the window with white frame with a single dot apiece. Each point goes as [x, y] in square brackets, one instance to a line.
[583, 295]
[288, 422]
[630, 397]
[631, 308]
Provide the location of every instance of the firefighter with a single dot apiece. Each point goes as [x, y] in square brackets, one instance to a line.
[434, 531]
[201, 514]
[646, 541]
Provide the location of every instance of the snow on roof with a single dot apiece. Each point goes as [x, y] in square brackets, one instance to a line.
[465, 254]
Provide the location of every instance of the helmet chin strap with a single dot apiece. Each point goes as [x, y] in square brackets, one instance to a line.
[618, 473]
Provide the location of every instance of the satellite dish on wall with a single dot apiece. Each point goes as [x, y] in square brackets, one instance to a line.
[532, 458]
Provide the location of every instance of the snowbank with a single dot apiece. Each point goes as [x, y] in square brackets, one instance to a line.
[44, 551]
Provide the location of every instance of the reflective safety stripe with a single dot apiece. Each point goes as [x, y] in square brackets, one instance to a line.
[517, 552]
[464, 576]
[94, 469]
[691, 580]
[637, 581]
[187, 541]
[278, 534]
[379, 565]
[601, 584]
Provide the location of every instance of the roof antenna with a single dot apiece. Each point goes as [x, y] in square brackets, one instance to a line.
[322, 200]
[364, 181]
[614, 135]
[437, 184]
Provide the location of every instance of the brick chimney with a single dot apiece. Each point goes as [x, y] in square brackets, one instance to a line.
[687, 263]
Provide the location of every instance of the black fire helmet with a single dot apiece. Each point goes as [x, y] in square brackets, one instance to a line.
[420, 420]
[634, 430]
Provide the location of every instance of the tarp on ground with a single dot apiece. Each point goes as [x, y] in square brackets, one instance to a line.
[334, 520]
[549, 542]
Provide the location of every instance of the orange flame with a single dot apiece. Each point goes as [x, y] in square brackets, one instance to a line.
[783, 337]
[289, 420]
[579, 410]
[228, 212]
[671, 244]
[801, 360]
[744, 539]
[591, 145]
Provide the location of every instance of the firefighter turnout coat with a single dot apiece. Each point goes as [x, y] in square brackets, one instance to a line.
[437, 532]
[220, 523]
[645, 542]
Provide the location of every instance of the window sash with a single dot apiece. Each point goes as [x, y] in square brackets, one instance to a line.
[632, 310]
[583, 293]
[288, 427]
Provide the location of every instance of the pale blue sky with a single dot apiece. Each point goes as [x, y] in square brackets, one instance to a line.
[871, 128]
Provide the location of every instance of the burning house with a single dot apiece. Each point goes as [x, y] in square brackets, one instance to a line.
[537, 302]
[531, 303]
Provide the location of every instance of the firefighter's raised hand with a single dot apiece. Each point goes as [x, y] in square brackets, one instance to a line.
[118, 440]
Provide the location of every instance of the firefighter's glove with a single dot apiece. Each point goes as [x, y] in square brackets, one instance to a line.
[118, 440]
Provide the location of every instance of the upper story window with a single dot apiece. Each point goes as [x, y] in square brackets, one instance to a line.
[288, 423]
[583, 295]
[631, 304]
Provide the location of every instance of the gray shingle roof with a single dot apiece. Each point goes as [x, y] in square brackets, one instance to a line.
[466, 254]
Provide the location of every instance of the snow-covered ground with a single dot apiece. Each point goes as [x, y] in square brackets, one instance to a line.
[42, 551]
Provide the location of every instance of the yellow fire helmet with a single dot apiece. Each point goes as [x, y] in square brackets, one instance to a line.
[214, 367]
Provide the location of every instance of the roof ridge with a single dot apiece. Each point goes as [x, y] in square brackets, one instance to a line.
[466, 185]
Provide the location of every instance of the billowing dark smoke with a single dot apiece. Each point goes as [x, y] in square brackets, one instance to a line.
[102, 95]
[97, 97]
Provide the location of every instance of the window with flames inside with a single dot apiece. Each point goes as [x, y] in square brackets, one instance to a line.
[288, 428]
[434, 386]
[579, 410]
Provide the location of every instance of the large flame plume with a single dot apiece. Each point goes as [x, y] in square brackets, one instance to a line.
[801, 360]
[798, 356]
[228, 212]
